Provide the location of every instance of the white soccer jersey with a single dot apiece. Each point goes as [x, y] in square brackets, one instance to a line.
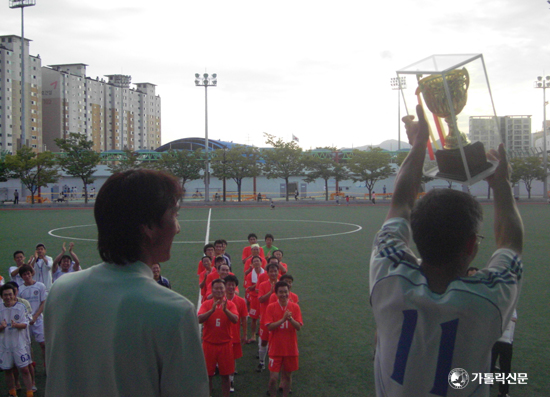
[60, 273]
[43, 271]
[35, 294]
[12, 339]
[422, 335]
[17, 277]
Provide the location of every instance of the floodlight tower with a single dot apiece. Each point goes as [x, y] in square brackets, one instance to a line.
[544, 83]
[206, 81]
[396, 84]
[22, 4]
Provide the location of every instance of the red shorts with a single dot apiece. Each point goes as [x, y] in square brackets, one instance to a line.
[264, 332]
[220, 354]
[237, 350]
[283, 363]
[254, 311]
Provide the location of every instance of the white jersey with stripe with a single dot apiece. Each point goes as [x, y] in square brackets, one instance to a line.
[13, 339]
[422, 335]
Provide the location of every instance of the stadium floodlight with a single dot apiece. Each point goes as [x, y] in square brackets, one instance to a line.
[544, 84]
[398, 84]
[22, 4]
[206, 81]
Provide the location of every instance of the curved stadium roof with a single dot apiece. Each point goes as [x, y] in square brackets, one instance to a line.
[195, 143]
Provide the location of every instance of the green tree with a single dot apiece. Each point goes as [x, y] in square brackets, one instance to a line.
[4, 171]
[183, 164]
[324, 168]
[370, 166]
[78, 158]
[130, 161]
[34, 170]
[527, 169]
[283, 161]
[237, 163]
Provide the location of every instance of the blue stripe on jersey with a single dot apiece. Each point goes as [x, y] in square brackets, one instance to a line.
[506, 276]
[404, 345]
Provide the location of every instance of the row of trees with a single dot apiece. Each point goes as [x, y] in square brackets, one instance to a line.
[283, 161]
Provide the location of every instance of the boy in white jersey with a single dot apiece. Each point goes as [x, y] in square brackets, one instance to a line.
[430, 317]
[65, 263]
[13, 339]
[34, 292]
[42, 265]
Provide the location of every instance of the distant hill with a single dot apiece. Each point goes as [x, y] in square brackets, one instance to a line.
[390, 144]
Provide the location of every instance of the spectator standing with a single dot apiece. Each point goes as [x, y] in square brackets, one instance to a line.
[145, 341]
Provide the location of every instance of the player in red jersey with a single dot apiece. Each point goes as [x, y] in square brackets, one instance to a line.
[283, 267]
[208, 251]
[256, 251]
[206, 262]
[252, 240]
[292, 297]
[265, 290]
[217, 316]
[239, 329]
[252, 296]
[283, 319]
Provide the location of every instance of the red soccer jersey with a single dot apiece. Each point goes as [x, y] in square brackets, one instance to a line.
[263, 288]
[246, 252]
[263, 277]
[243, 313]
[283, 340]
[201, 268]
[292, 298]
[248, 264]
[217, 329]
[249, 283]
[283, 265]
[211, 278]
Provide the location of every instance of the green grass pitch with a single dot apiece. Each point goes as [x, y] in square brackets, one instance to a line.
[327, 249]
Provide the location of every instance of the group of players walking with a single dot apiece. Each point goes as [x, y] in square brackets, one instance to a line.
[24, 297]
[266, 298]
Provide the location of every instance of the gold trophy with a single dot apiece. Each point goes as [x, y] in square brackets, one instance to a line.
[449, 159]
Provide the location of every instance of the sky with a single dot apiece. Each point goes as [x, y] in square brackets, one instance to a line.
[317, 70]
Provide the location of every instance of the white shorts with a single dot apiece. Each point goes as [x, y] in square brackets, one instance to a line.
[20, 358]
[37, 330]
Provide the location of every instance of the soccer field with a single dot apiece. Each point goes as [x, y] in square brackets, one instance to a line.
[327, 250]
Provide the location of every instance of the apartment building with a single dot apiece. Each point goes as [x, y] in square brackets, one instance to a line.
[112, 114]
[514, 131]
[10, 95]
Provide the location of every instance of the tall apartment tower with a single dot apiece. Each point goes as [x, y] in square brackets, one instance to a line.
[10, 96]
[514, 131]
[111, 113]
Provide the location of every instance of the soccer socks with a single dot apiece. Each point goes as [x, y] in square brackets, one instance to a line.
[262, 353]
[12, 392]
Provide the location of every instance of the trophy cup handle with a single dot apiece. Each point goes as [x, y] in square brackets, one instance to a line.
[467, 78]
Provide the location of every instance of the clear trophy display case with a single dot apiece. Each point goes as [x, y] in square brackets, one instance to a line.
[456, 96]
